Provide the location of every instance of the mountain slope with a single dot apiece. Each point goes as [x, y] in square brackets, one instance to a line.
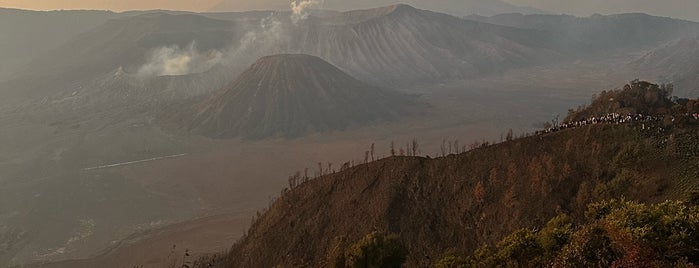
[123, 42]
[26, 34]
[463, 201]
[674, 63]
[386, 46]
[454, 7]
[292, 95]
[598, 34]
[402, 44]
[389, 46]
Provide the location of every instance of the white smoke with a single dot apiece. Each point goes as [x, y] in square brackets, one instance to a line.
[173, 60]
[264, 39]
[301, 9]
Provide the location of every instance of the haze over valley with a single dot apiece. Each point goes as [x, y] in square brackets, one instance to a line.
[132, 138]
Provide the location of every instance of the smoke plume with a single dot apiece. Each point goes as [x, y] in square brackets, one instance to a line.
[301, 9]
[262, 39]
[265, 38]
[173, 60]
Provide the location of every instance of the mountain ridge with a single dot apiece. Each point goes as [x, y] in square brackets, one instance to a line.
[476, 197]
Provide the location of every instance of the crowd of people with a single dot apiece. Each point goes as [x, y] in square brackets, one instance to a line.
[645, 121]
[611, 118]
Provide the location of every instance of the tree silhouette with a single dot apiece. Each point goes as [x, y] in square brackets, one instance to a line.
[443, 147]
[510, 135]
[414, 146]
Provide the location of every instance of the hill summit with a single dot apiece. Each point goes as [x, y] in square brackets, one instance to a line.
[291, 95]
[414, 210]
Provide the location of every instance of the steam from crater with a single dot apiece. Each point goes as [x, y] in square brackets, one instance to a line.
[301, 9]
[173, 60]
[265, 38]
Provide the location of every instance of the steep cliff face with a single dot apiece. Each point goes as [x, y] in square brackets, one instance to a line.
[291, 95]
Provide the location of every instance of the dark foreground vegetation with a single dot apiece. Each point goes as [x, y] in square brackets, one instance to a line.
[614, 233]
[590, 196]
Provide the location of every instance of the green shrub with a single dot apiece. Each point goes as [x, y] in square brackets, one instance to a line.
[377, 251]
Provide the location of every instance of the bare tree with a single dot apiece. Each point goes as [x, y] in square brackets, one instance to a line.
[509, 136]
[372, 152]
[414, 143]
[443, 147]
[474, 145]
[320, 169]
[393, 149]
[297, 177]
[366, 157]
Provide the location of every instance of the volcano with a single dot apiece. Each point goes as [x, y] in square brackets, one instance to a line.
[291, 95]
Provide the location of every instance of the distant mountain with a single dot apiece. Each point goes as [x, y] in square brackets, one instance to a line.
[390, 46]
[600, 34]
[475, 198]
[400, 43]
[124, 42]
[385, 46]
[27, 34]
[292, 95]
[127, 42]
[454, 7]
[676, 63]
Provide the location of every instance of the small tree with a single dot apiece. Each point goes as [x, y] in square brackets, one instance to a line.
[510, 135]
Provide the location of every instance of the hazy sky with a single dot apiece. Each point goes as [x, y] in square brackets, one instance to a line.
[115, 5]
[687, 9]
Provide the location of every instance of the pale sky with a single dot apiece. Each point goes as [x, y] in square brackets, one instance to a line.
[686, 9]
[114, 5]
